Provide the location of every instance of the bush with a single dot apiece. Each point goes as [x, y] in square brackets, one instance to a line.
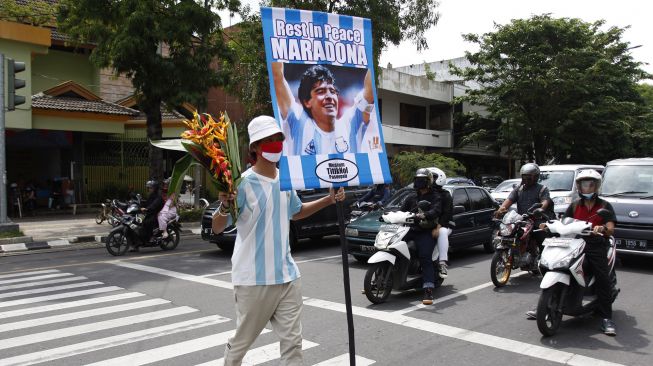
[191, 215]
[109, 191]
[405, 164]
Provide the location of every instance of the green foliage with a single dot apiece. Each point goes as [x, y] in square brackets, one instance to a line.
[32, 12]
[560, 89]
[429, 73]
[393, 21]
[166, 47]
[191, 215]
[108, 191]
[405, 164]
[11, 234]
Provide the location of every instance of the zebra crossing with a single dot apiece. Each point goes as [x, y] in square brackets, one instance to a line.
[59, 318]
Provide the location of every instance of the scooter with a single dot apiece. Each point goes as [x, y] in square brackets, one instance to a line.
[566, 288]
[395, 265]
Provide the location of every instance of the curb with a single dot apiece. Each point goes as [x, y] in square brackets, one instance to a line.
[184, 232]
[35, 245]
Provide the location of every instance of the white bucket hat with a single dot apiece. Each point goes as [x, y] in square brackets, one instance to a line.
[262, 127]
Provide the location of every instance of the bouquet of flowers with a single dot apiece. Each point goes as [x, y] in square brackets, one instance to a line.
[212, 144]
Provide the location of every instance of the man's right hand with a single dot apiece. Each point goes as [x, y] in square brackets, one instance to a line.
[226, 199]
[500, 212]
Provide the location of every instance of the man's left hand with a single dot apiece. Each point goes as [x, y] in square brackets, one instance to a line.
[337, 196]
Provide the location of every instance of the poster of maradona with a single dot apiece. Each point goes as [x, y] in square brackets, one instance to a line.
[323, 93]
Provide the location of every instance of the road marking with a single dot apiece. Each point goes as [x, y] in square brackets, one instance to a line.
[505, 344]
[41, 283]
[93, 327]
[64, 295]
[261, 355]
[31, 273]
[489, 340]
[28, 279]
[344, 360]
[178, 275]
[170, 351]
[68, 305]
[456, 294]
[49, 289]
[297, 262]
[81, 314]
[113, 341]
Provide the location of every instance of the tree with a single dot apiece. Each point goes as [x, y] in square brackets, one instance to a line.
[406, 163]
[561, 89]
[166, 47]
[393, 21]
[32, 12]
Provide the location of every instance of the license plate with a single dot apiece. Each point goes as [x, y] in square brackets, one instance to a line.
[389, 228]
[368, 248]
[631, 244]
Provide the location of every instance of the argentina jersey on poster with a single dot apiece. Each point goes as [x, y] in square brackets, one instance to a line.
[324, 98]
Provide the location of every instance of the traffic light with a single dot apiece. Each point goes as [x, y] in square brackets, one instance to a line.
[13, 68]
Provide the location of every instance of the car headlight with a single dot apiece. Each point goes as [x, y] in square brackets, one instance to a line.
[562, 200]
[351, 232]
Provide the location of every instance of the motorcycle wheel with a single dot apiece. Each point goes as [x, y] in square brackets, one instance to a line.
[172, 240]
[378, 282]
[500, 269]
[548, 317]
[99, 218]
[117, 243]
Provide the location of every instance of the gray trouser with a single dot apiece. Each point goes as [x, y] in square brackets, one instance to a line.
[281, 305]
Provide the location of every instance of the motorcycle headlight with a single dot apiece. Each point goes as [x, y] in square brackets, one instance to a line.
[506, 229]
[562, 200]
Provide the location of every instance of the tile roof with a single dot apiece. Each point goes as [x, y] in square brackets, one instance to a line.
[166, 115]
[73, 104]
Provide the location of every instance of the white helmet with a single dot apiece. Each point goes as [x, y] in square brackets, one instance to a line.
[439, 177]
[588, 174]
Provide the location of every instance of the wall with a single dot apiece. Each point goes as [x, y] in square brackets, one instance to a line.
[60, 66]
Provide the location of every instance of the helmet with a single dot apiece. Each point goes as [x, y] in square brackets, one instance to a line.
[588, 174]
[439, 176]
[530, 168]
[423, 179]
[152, 184]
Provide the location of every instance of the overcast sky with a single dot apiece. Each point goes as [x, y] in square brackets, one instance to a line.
[458, 17]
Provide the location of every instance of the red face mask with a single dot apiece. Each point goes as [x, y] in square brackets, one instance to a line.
[271, 151]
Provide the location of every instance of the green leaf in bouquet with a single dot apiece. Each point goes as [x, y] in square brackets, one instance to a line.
[198, 152]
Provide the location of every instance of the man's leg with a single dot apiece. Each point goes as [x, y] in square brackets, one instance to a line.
[425, 245]
[596, 256]
[254, 308]
[443, 248]
[286, 323]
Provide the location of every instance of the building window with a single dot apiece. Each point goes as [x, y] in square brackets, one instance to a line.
[412, 115]
[440, 117]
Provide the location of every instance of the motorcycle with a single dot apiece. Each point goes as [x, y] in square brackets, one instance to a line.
[131, 233]
[111, 212]
[395, 265]
[515, 246]
[565, 284]
[360, 209]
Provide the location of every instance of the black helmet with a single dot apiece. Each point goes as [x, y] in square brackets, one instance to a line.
[423, 179]
[152, 184]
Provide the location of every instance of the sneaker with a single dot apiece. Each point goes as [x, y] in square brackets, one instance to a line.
[428, 296]
[443, 270]
[608, 327]
[531, 314]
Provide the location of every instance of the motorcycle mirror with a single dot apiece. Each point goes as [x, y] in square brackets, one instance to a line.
[424, 205]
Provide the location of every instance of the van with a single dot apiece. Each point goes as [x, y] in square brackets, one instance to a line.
[628, 186]
[560, 179]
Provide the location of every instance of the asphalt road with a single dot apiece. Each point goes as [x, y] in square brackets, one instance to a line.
[80, 307]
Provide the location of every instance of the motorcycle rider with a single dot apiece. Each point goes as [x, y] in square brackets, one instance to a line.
[151, 208]
[421, 232]
[379, 194]
[445, 223]
[588, 183]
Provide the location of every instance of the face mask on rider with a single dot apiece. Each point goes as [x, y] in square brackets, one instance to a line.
[587, 195]
[271, 151]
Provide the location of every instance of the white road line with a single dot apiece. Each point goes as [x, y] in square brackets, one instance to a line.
[49, 289]
[344, 360]
[297, 262]
[81, 314]
[456, 294]
[261, 355]
[20, 274]
[93, 327]
[68, 305]
[505, 344]
[41, 283]
[27, 279]
[113, 341]
[170, 351]
[178, 275]
[64, 295]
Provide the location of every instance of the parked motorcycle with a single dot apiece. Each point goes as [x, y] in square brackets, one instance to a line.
[112, 210]
[395, 265]
[515, 246]
[360, 209]
[131, 233]
[566, 288]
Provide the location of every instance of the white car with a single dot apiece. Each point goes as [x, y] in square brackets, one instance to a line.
[501, 192]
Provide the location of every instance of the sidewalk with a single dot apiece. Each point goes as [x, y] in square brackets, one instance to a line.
[62, 230]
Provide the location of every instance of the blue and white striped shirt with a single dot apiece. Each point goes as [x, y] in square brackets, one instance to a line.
[262, 250]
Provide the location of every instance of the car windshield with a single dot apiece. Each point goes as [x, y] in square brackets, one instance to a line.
[491, 181]
[628, 180]
[507, 185]
[558, 180]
